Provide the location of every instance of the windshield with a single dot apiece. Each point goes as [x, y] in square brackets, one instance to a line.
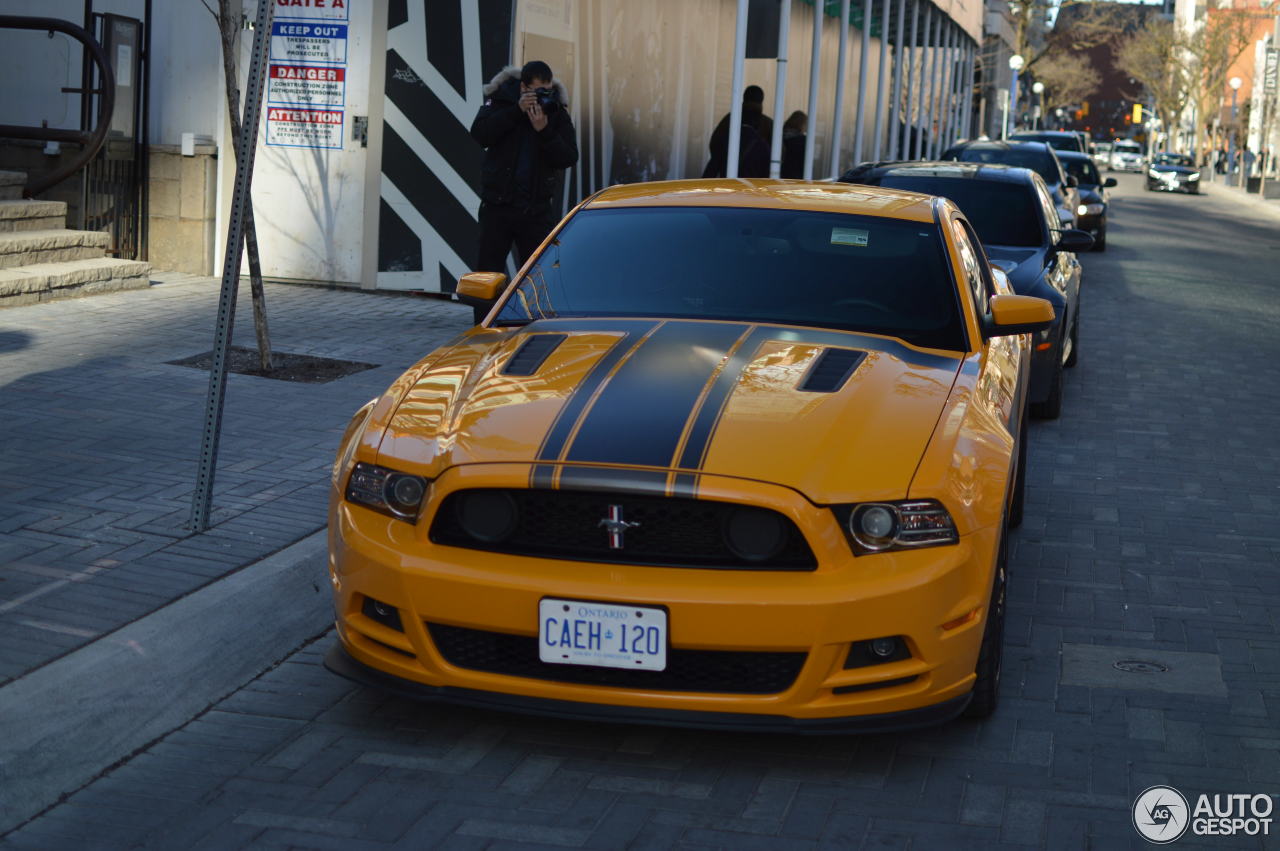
[829, 270]
[1061, 143]
[1126, 148]
[1084, 171]
[1175, 159]
[1038, 160]
[1002, 213]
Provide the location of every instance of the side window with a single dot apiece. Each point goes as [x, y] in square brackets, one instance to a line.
[1050, 211]
[972, 266]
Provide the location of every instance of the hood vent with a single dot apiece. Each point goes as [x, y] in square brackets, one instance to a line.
[831, 370]
[529, 358]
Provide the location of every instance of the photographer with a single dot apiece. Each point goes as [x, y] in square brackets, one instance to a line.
[529, 140]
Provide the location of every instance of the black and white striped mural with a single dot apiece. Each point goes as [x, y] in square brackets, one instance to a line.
[437, 64]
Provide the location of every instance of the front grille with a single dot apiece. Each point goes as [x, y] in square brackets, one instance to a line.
[671, 531]
[726, 671]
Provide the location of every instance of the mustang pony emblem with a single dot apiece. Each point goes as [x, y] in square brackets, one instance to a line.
[616, 526]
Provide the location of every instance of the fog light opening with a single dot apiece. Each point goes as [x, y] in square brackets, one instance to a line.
[877, 651]
[383, 613]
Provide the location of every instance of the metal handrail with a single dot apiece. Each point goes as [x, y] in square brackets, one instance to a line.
[91, 142]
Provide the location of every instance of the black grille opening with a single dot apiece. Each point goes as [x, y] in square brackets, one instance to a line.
[723, 671]
[530, 356]
[669, 531]
[831, 370]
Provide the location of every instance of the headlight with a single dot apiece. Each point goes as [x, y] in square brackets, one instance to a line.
[1093, 209]
[1195, 175]
[1151, 172]
[1082, 210]
[397, 494]
[875, 527]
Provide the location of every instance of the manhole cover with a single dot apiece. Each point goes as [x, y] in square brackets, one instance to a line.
[1139, 666]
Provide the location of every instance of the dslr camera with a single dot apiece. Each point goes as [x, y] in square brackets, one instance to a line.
[547, 98]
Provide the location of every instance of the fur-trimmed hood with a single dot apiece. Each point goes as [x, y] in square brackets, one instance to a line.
[512, 72]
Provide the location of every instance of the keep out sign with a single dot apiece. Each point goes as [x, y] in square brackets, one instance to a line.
[304, 128]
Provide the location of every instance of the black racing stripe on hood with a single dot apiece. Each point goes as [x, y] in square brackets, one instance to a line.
[695, 447]
[554, 441]
[613, 479]
[642, 411]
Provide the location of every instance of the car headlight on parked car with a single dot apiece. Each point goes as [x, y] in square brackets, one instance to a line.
[388, 491]
[875, 527]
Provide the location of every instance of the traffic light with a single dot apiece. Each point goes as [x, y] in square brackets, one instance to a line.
[1137, 113]
[1084, 107]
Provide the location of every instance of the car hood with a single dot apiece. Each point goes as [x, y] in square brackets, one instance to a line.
[1091, 194]
[1022, 265]
[615, 398]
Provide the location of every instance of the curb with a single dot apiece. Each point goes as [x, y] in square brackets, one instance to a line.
[72, 719]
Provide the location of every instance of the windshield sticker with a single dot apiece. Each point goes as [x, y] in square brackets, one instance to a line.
[849, 236]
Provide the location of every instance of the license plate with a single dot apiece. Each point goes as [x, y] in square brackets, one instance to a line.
[603, 635]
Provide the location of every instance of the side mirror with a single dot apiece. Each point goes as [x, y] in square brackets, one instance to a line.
[1109, 182]
[1071, 181]
[1074, 240]
[485, 286]
[1018, 314]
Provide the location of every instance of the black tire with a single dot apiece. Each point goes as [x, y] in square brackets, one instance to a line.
[986, 688]
[1018, 500]
[1051, 407]
[1100, 241]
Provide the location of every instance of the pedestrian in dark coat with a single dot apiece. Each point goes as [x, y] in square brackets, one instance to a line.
[753, 148]
[794, 132]
[529, 141]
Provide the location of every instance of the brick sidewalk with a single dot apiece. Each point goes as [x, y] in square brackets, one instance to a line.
[100, 439]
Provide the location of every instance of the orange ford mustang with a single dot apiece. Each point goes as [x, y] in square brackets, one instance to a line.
[732, 453]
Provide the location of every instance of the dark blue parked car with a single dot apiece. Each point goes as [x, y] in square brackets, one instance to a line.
[1017, 220]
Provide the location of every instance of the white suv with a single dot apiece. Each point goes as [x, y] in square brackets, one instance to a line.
[1126, 156]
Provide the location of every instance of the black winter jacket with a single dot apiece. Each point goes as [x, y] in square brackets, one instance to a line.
[502, 127]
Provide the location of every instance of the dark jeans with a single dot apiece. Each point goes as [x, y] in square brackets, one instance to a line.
[500, 227]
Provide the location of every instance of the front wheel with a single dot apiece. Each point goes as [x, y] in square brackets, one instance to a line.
[1100, 241]
[986, 688]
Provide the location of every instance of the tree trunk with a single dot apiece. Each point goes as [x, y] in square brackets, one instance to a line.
[229, 22]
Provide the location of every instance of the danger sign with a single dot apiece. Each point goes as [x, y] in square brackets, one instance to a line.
[307, 85]
[304, 128]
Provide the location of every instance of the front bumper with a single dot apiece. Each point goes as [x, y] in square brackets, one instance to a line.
[1177, 185]
[340, 662]
[934, 598]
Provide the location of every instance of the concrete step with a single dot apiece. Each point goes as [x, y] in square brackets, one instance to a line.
[48, 281]
[11, 183]
[17, 214]
[24, 248]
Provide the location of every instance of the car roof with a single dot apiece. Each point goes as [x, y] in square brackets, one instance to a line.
[1052, 134]
[763, 193]
[949, 169]
[995, 145]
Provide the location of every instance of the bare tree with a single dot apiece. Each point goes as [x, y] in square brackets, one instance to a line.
[1068, 78]
[1091, 24]
[230, 18]
[1156, 56]
[1214, 48]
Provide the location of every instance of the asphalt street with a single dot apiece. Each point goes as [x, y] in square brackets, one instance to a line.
[1150, 536]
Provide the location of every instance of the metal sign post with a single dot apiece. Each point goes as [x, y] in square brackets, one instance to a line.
[203, 496]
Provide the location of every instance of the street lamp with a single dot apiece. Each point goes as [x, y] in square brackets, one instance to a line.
[1015, 64]
[1038, 88]
[1235, 83]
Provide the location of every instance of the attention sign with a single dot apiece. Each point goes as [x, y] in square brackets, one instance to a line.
[304, 128]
